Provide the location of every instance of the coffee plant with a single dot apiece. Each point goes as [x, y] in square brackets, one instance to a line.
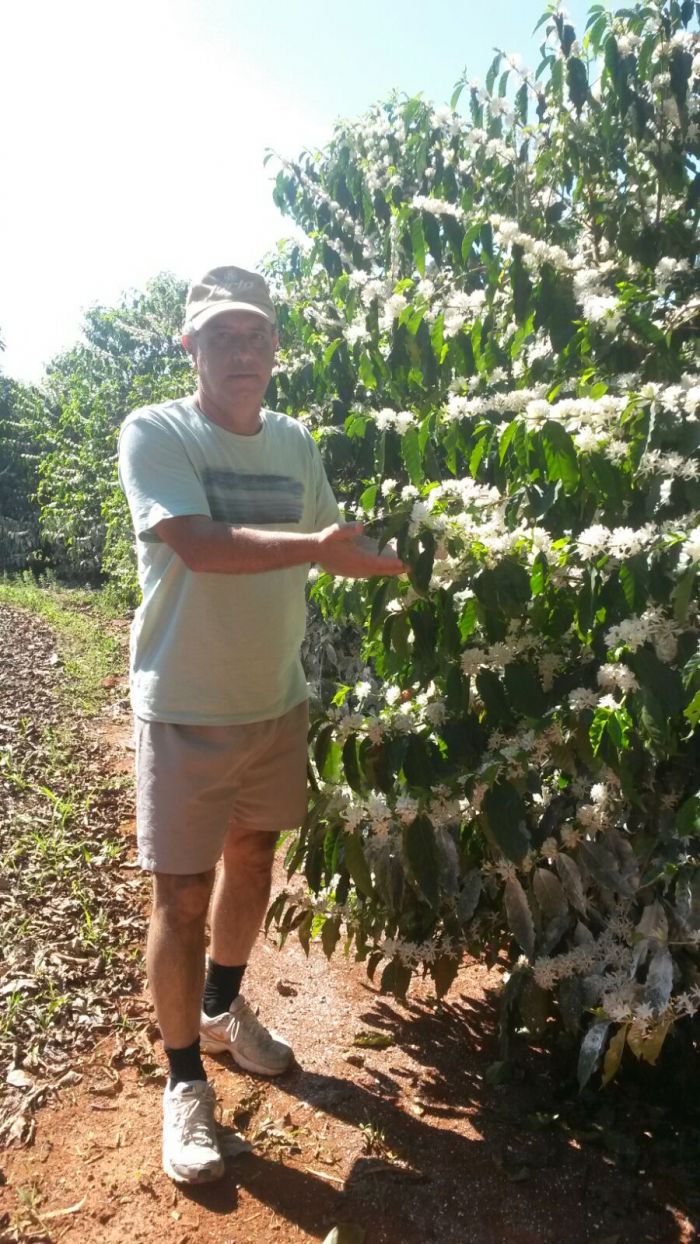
[131, 355]
[489, 320]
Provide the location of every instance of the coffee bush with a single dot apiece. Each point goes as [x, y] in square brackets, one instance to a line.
[489, 320]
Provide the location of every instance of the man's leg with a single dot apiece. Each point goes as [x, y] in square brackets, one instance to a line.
[241, 895]
[175, 953]
[175, 965]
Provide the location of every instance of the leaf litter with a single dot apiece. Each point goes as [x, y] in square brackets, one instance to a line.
[69, 918]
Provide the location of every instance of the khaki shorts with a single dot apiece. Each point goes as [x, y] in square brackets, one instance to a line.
[197, 784]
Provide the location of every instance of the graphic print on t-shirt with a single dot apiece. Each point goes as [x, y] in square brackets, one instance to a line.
[245, 499]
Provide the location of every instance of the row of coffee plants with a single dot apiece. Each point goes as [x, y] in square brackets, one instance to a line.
[60, 505]
[489, 320]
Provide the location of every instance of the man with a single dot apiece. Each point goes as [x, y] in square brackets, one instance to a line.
[230, 505]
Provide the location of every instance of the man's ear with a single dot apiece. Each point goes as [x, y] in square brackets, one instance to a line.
[189, 344]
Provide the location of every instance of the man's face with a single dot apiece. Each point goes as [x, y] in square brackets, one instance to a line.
[234, 353]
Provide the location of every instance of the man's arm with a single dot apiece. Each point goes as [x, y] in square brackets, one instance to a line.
[206, 546]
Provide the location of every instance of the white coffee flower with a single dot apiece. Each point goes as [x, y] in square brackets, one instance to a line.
[581, 698]
[406, 808]
[593, 541]
[608, 701]
[435, 713]
[617, 677]
[690, 549]
[549, 849]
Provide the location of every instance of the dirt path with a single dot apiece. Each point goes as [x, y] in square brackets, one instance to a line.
[415, 1141]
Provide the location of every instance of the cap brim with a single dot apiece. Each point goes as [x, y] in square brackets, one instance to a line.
[199, 318]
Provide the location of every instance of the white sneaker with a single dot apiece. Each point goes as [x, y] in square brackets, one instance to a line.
[191, 1153]
[249, 1043]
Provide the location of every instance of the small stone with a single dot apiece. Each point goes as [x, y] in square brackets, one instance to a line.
[355, 1060]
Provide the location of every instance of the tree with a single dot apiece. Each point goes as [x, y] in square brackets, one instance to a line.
[491, 328]
[19, 513]
[132, 355]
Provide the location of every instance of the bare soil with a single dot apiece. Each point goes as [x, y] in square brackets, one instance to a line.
[420, 1135]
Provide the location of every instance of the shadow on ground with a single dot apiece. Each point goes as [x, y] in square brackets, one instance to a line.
[528, 1156]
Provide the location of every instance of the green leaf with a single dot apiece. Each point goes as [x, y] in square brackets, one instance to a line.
[356, 864]
[560, 455]
[519, 916]
[421, 853]
[591, 1051]
[648, 1047]
[603, 868]
[521, 102]
[506, 587]
[521, 286]
[549, 894]
[418, 763]
[346, 1233]
[683, 594]
[367, 373]
[688, 817]
[411, 455]
[421, 566]
[506, 438]
[469, 895]
[373, 1039]
[692, 711]
[351, 763]
[534, 1007]
[659, 982]
[395, 635]
[456, 94]
[491, 691]
[525, 689]
[378, 606]
[577, 79]
[418, 243]
[303, 929]
[322, 744]
[330, 934]
[478, 453]
[505, 817]
[539, 574]
[493, 72]
[664, 682]
[571, 880]
[368, 497]
[331, 349]
[613, 1054]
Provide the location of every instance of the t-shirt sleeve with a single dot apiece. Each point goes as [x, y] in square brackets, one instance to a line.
[327, 511]
[157, 476]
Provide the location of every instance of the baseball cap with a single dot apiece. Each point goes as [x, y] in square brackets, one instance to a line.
[227, 289]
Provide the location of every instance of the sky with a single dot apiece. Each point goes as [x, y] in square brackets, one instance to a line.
[134, 133]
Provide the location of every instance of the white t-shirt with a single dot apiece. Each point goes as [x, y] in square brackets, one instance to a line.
[218, 649]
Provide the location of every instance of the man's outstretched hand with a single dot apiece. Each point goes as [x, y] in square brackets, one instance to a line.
[344, 550]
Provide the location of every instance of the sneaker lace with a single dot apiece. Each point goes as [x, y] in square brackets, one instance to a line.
[196, 1121]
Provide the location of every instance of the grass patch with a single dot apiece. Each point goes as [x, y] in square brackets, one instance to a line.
[82, 620]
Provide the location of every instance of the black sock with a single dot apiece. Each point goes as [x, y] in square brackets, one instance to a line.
[185, 1064]
[221, 987]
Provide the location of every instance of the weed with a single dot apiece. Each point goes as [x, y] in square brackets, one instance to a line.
[374, 1140]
